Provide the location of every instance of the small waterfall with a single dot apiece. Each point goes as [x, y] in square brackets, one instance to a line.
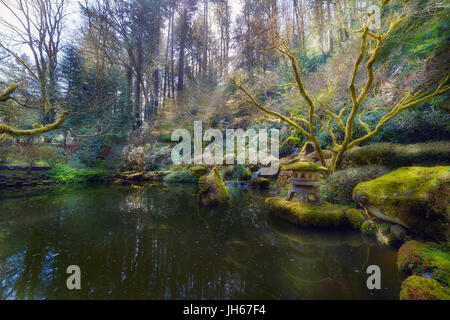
[256, 174]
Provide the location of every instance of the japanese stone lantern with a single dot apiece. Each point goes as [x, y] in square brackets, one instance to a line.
[304, 180]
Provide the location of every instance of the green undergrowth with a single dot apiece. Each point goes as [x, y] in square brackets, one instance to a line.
[69, 175]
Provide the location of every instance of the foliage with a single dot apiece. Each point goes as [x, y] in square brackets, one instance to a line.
[86, 156]
[6, 152]
[69, 175]
[238, 172]
[396, 155]
[33, 153]
[135, 156]
[338, 187]
[319, 110]
[159, 158]
[182, 176]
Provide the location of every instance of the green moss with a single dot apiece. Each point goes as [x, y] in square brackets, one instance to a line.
[165, 137]
[246, 174]
[369, 227]
[338, 187]
[304, 166]
[199, 170]
[260, 183]
[397, 155]
[181, 176]
[202, 180]
[420, 288]
[355, 218]
[415, 197]
[213, 190]
[325, 215]
[70, 175]
[415, 257]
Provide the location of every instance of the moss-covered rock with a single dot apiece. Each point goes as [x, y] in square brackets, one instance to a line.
[213, 191]
[325, 215]
[259, 183]
[304, 166]
[154, 175]
[199, 170]
[355, 217]
[398, 233]
[369, 227]
[420, 288]
[416, 257]
[415, 197]
[202, 180]
[246, 174]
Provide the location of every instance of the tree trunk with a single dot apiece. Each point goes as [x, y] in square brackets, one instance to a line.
[182, 48]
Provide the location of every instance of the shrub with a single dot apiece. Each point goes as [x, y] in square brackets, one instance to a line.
[51, 154]
[396, 155]
[84, 157]
[33, 153]
[160, 157]
[135, 156]
[69, 175]
[181, 176]
[6, 152]
[338, 187]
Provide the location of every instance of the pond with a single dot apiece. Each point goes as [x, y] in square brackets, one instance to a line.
[156, 242]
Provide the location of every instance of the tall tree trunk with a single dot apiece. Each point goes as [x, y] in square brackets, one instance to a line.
[129, 75]
[205, 39]
[330, 28]
[138, 80]
[182, 48]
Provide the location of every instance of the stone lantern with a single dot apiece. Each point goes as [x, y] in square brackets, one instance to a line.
[304, 180]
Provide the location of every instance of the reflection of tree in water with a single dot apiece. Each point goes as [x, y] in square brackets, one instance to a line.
[165, 247]
[135, 200]
[328, 264]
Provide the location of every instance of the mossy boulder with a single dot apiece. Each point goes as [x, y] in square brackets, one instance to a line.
[325, 215]
[420, 258]
[369, 227]
[355, 217]
[199, 170]
[213, 191]
[420, 288]
[259, 183]
[303, 166]
[415, 197]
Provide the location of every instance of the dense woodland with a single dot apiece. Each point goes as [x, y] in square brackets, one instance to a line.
[130, 72]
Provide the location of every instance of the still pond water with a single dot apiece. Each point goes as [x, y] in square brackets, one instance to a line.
[155, 242]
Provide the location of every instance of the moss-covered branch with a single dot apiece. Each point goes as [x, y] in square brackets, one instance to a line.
[6, 130]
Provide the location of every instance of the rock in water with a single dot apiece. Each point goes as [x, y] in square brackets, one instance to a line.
[213, 191]
[259, 183]
[418, 258]
[325, 215]
[415, 197]
[420, 288]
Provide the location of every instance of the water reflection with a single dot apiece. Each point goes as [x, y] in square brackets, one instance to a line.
[155, 242]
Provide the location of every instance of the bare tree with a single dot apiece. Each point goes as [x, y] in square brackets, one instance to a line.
[38, 24]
